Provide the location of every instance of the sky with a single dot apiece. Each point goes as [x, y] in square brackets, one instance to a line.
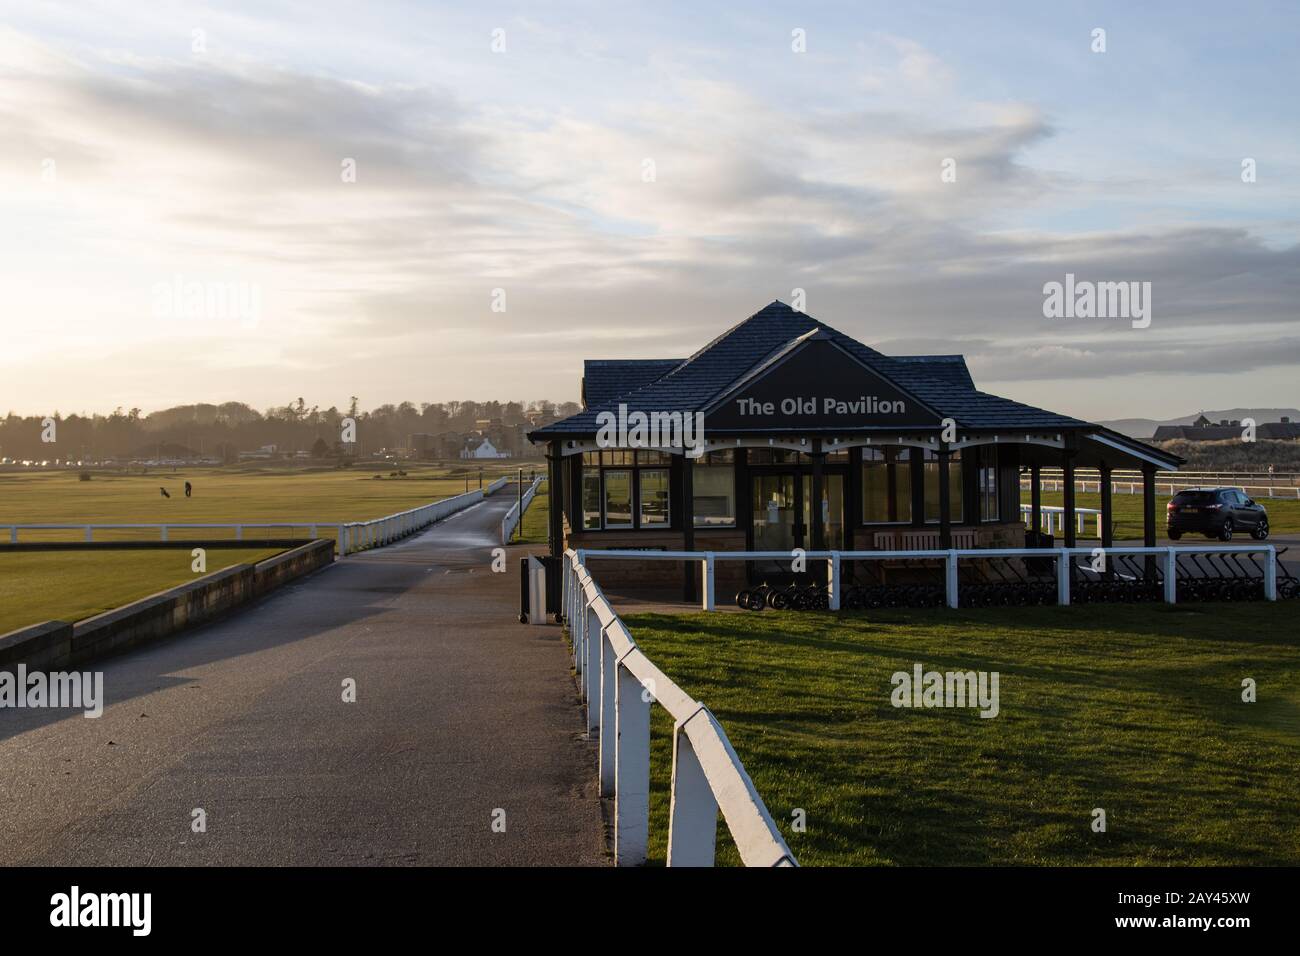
[434, 201]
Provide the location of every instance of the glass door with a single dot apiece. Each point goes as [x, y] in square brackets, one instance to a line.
[774, 512]
[832, 505]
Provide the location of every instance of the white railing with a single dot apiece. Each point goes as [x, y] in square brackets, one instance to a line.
[1053, 517]
[835, 579]
[360, 535]
[619, 684]
[1131, 484]
[351, 536]
[516, 514]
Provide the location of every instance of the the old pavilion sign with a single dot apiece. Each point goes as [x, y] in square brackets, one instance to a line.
[816, 385]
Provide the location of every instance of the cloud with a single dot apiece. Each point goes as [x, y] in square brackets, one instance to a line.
[227, 168]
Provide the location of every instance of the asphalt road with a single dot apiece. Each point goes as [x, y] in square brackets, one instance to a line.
[460, 713]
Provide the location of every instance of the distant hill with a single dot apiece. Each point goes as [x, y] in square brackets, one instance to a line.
[1144, 428]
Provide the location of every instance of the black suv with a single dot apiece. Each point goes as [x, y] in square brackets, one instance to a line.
[1215, 513]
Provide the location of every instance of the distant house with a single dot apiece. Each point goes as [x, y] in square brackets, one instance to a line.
[484, 449]
[1204, 430]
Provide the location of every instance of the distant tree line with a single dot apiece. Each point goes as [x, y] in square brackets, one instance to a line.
[223, 431]
[1254, 456]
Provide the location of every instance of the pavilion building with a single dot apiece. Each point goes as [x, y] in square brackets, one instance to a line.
[813, 440]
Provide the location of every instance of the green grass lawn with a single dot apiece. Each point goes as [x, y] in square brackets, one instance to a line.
[1134, 709]
[71, 585]
[1283, 515]
[533, 529]
[221, 495]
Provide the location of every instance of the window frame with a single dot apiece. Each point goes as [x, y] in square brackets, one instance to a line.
[627, 460]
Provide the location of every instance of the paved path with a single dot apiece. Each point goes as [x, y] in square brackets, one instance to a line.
[460, 711]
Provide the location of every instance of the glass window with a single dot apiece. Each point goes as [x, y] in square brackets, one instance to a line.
[618, 499]
[654, 496]
[591, 458]
[774, 456]
[875, 486]
[988, 484]
[902, 466]
[931, 468]
[884, 469]
[652, 458]
[617, 457]
[713, 486]
[591, 498]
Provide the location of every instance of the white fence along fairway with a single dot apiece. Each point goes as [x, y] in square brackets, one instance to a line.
[1167, 556]
[352, 536]
[619, 685]
[516, 514]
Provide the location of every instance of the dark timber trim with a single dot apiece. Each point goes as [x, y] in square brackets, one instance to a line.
[689, 568]
[1107, 508]
[1068, 516]
[555, 532]
[1036, 500]
[945, 498]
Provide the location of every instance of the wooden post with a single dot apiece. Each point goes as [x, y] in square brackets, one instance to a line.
[1036, 500]
[945, 499]
[1107, 509]
[1149, 517]
[815, 508]
[688, 527]
[1068, 517]
[554, 461]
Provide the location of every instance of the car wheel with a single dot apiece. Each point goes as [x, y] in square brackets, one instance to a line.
[1261, 530]
[1225, 533]
[1175, 535]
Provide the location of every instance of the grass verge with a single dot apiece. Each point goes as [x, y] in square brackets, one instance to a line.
[71, 585]
[1133, 709]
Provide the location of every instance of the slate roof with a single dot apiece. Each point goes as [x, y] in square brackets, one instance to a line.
[604, 380]
[941, 382]
[950, 368]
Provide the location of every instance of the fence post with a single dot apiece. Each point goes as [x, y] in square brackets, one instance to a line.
[580, 638]
[608, 733]
[1270, 575]
[950, 577]
[693, 811]
[239, 533]
[631, 769]
[591, 672]
[90, 533]
[1062, 577]
[1171, 576]
[162, 531]
[832, 569]
[707, 567]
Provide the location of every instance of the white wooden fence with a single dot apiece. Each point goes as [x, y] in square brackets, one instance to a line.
[833, 559]
[1052, 517]
[515, 515]
[1130, 482]
[619, 685]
